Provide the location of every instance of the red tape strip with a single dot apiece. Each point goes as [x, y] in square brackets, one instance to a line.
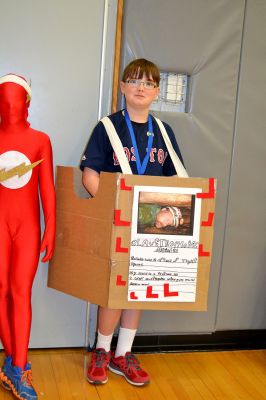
[118, 247]
[133, 296]
[149, 294]
[203, 253]
[118, 221]
[210, 194]
[167, 292]
[119, 281]
[123, 185]
[209, 221]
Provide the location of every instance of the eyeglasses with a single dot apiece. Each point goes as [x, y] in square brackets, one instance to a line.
[137, 82]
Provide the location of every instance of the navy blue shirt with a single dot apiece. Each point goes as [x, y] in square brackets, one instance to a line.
[99, 154]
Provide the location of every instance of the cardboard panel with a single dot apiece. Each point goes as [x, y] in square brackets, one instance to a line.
[71, 272]
[92, 253]
[84, 228]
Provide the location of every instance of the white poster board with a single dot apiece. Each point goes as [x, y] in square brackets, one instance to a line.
[164, 244]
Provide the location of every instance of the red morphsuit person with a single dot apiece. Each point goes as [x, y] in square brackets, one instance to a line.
[26, 169]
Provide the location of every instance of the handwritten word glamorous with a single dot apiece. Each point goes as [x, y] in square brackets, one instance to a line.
[191, 244]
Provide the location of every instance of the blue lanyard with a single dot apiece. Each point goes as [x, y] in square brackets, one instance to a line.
[140, 167]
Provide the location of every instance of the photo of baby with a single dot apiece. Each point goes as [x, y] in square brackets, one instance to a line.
[165, 213]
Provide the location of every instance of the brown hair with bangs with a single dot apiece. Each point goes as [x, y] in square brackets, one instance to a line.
[139, 67]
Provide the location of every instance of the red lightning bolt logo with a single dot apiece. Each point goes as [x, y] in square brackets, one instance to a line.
[19, 170]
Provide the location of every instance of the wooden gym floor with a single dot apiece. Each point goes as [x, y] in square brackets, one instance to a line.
[225, 375]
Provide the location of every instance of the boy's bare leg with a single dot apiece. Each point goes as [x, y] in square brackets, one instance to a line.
[130, 319]
[129, 325]
[107, 320]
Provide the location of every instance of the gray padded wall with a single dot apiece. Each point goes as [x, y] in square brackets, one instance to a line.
[242, 296]
[204, 39]
[58, 45]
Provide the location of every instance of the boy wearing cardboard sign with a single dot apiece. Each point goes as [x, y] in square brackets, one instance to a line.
[128, 141]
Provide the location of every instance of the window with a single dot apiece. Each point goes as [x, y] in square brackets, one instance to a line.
[173, 93]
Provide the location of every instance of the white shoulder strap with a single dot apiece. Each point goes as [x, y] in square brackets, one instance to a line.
[180, 170]
[119, 150]
[117, 145]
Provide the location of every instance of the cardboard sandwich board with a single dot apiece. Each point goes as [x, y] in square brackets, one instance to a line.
[142, 242]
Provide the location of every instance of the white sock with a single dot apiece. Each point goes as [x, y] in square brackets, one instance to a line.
[125, 341]
[104, 342]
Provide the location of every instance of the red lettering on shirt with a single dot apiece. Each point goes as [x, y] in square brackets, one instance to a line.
[130, 154]
[165, 157]
[116, 162]
[161, 156]
[153, 150]
[133, 158]
[127, 153]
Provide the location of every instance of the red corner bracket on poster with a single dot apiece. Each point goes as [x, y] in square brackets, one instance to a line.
[210, 194]
[209, 221]
[150, 294]
[167, 292]
[123, 185]
[118, 221]
[133, 296]
[119, 281]
[203, 253]
[118, 247]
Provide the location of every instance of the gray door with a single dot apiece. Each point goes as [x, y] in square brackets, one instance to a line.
[59, 46]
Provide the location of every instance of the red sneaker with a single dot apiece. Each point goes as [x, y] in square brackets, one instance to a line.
[97, 371]
[128, 366]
